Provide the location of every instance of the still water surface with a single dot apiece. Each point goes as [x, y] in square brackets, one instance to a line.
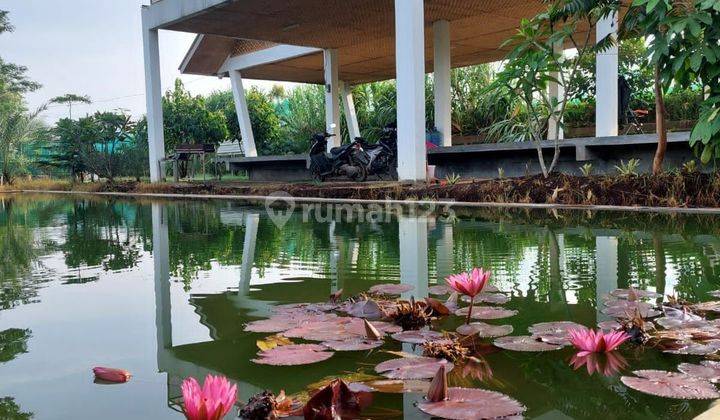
[163, 289]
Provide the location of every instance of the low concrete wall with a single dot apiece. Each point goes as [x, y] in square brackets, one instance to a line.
[515, 159]
[520, 159]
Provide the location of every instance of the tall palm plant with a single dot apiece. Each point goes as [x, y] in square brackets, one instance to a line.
[18, 128]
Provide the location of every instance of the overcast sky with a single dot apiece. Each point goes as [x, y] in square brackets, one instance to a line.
[92, 47]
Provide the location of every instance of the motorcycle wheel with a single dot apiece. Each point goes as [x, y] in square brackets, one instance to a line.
[317, 175]
[362, 175]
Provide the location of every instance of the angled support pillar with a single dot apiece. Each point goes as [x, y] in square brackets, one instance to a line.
[350, 112]
[410, 70]
[606, 83]
[557, 91]
[153, 98]
[243, 114]
[442, 75]
[332, 94]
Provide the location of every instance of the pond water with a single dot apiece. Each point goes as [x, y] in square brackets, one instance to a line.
[163, 289]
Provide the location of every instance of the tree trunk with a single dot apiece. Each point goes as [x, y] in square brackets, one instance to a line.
[660, 123]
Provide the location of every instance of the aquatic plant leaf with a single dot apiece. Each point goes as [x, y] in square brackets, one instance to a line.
[557, 332]
[438, 308]
[485, 330]
[472, 404]
[358, 344]
[638, 294]
[487, 312]
[525, 343]
[399, 386]
[491, 298]
[713, 306]
[625, 309]
[676, 318]
[417, 337]
[293, 355]
[609, 325]
[694, 348]
[412, 367]
[336, 401]
[369, 309]
[439, 290]
[671, 385]
[339, 329]
[284, 322]
[707, 369]
[272, 342]
[390, 289]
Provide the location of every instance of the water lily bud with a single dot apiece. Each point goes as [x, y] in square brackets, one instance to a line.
[371, 332]
[438, 387]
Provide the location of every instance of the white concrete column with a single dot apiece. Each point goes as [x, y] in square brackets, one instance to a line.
[350, 112]
[332, 93]
[243, 114]
[556, 91]
[414, 254]
[153, 99]
[606, 82]
[161, 274]
[606, 271]
[252, 220]
[442, 92]
[410, 69]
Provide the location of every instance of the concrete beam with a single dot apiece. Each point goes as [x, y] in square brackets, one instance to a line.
[606, 83]
[153, 99]
[243, 114]
[267, 56]
[410, 70]
[350, 112]
[332, 96]
[442, 75]
[167, 12]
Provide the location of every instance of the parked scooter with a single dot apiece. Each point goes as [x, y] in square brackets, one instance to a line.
[349, 160]
[383, 154]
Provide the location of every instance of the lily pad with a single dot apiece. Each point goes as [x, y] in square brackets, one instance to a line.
[485, 330]
[439, 290]
[369, 309]
[637, 293]
[626, 309]
[391, 289]
[417, 337]
[695, 348]
[707, 369]
[491, 298]
[471, 404]
[555, 332]
[358, 344]
[671, 385]
[675, 319]
[412, 367]
[713, 306]
[609, 325]
[487, 312]
[293, 355]
[525, 343]
[281, 323]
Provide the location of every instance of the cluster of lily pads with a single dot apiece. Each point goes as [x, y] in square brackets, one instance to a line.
[365, 322]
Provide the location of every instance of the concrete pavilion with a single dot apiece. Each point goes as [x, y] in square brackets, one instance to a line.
[341, 43]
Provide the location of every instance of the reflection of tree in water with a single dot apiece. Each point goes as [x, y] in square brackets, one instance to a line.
[9, 410]
[99, 234]
[13, 342]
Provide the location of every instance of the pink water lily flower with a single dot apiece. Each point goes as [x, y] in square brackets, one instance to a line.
[211, 402]
[469, 284]
[591, 341]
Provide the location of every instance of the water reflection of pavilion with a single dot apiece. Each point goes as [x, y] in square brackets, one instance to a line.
[229, 354]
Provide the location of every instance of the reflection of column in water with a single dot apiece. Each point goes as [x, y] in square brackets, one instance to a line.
[561, 247]
[161, 271]
[334, 258]
[557, 287]
[444, 250]
[248, 257]
[606, 270]
[660, 273]
[414, 255]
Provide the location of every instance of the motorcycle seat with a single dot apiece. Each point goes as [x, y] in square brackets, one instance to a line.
[337, 150]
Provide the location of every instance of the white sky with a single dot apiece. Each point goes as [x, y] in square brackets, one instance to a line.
[92, 47]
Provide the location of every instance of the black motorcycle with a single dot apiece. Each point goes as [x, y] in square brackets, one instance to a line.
[349, 160]
[382, 157]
